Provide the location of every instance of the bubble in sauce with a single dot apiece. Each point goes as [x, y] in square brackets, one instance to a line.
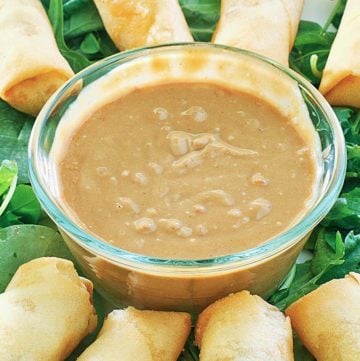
[185, 231]
[145, 225]
[198, 113]
[140, 178]
[161, 113]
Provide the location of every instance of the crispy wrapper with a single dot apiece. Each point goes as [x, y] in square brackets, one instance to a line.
[130, 334]
[327, 320]
[137, 23]
[31, 66]
[45, 311]
[243, 327]
[266, 27]
[340, 82]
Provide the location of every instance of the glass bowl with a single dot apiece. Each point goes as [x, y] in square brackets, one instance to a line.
[126, 278]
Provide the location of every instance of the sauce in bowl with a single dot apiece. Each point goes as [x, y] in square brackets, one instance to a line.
[188, 170]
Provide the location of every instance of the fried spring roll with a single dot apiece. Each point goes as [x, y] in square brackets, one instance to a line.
[31, 66]
[340, 82]
[327, 320]
[137, 23]
[266, 27]
[130, 334]
[45, 311]
[242, 327]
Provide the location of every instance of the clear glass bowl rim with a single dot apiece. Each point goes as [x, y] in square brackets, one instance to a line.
[283, 241]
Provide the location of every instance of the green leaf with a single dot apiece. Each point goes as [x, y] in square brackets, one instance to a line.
[70, 6]
[329, 249]
[21, 244]
[23, 208]
[15, 129]
[90, 44]
[303, 283]
[310, 33]
[107, 47]
[76, 60]
[333, 259]
[201, 16]
[310, 51]
[349, 119]
[353, 164]
[8, 172]
[351, 260]
[85, 37]
[83, 21]
[346, 212]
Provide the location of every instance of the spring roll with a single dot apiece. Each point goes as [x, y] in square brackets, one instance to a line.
[243, 327]
[130, 334]
[31, 66]
[45, 311]
[327, 320]
[340, 82]
[137, 23]
[266, 27]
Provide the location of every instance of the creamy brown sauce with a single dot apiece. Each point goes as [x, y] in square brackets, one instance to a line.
[187, 171]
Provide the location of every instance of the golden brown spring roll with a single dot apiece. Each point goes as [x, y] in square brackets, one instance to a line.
[243, 327]
[130, 334]
[45, 311]
[136, 23]
[340, 82]
[327, 320]
[31, 66]
[266, 27]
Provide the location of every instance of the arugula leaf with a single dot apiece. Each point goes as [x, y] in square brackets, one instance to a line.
[107, 47]
[329, 249]
[90, 45]
[351, 260]
[313, 43]
[15, 129]
[353, 165]
[21, 244]
[76, 60]
[22, 208]
[334, 258]
[70, 6]
[201, 16]
[349, 119]
[81, 35]
[311, 50]
[345, 213]
[8, 172]
[83, 21]
[303, 283]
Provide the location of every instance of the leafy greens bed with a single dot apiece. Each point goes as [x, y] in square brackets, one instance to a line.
[27, 233]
